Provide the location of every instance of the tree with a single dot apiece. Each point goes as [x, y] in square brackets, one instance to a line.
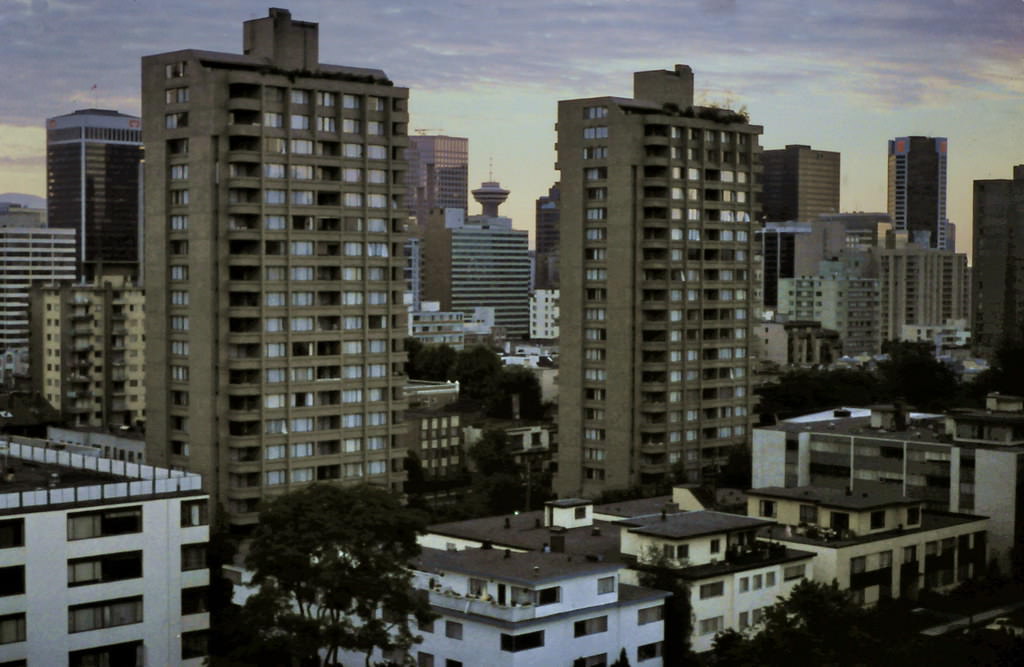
[913, 374]
[659, 573]
[514, 381]
[331, 564]
[803, 391]
[429, 362]
[477, 369]
[498, 481]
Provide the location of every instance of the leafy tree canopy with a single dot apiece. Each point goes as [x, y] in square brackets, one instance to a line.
[331, 564]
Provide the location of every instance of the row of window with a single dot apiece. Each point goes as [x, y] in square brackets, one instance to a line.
[103, 523]
[179, 223]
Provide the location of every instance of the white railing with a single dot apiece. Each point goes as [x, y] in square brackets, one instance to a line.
[145, 480]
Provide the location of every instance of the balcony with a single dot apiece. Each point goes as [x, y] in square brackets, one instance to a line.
[481, 607]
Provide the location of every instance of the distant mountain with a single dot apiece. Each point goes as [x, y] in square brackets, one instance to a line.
[30, 201]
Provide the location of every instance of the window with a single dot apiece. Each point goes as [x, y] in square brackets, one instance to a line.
[179, 223]
[769, 579]
[768, 508]
[839, 521]
[193, 556]
[352, 150]
[758, 582]
[597, 132]
[712, 590]
[12, 533]
[453, 630]
[174, 120]
[12, 580]
[878, 519]
[590, 626]
[590, 113]
[194, 513]
[105, 614]
[104, 568]
[194, 644]
[744, 584]
[300, 96]
[885, 559]
[179, 172]
[808, 514]
[325, 99]
[176, 70]
[103, 523]
[793, 572]
[12, 628]
[179, 197]
[716, 546]
[709, 626]
[549, 595]
[194, 600]
[650, 615]
[423, 659]
[605, 585]
[351, 102]
[299, 122]
[377, 152]
[913, 516]
[302, 146]
[649, 651]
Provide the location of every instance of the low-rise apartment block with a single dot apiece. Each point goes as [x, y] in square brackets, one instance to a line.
[966, 461]
[102, 562]
[502, 608]
[877, 543]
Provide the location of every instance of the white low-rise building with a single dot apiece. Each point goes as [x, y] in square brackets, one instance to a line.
[102, 562]
[731, 575]
[501, 608]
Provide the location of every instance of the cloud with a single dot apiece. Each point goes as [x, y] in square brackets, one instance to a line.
[895, 53]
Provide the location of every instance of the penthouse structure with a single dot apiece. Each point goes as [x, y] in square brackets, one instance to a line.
[274, 251]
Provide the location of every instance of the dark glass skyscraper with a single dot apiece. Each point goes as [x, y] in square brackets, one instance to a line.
[917, 189]
[92, 185]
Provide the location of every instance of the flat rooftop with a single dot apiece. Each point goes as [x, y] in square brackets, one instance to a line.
[928, 429]
[32, 475]
[864, 496]
[691, 524]
[527, 531]
[528, 569]
[630, 508]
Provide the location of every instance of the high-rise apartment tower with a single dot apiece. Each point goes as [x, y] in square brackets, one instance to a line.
[917, 190]
[998, 269]
[274, 218]
[657, 279]
[93, 161]
[800, 183]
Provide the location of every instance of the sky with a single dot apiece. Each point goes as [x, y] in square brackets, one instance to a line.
[841, 76]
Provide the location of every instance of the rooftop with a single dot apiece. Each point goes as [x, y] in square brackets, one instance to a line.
[31, 475]
[45, 478]
[527, 531]
[691, 524]
[864, 496]
[528, 569]
[629, 508]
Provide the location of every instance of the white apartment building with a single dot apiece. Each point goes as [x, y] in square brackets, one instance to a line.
[732, 576]
[544, 314]
[102, 562]
[501, 608]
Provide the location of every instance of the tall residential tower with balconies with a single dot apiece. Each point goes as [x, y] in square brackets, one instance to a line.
[274, 266]
[657, 220]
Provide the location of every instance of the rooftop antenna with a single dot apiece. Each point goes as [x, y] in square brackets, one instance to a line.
[490, 168]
